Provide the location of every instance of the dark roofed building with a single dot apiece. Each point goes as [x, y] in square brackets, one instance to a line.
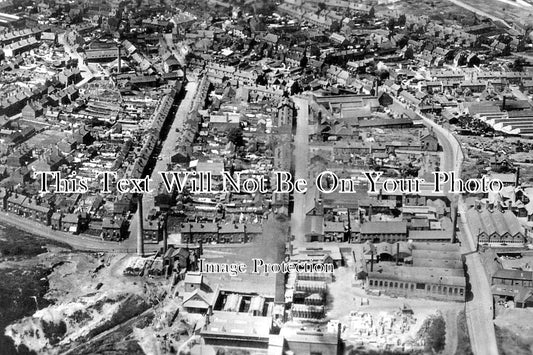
[513, 277]
[113, 229]
[379, 231]
[101, 55]
[437, 272]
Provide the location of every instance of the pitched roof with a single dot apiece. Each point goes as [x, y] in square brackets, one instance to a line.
[493, 223]
[194, 278]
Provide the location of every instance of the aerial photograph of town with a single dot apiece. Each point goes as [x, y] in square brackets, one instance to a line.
[266, 177]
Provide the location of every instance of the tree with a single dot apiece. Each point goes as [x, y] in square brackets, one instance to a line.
[518, 64]
[391, 24]
[236, 137]
[402, 20]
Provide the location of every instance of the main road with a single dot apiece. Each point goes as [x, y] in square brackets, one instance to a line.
[301, 165]
[478, 308]
[78, 242]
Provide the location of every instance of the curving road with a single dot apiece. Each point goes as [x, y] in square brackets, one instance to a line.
[478, 309]
[78, 242]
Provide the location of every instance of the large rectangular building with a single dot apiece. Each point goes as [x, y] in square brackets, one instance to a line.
[437, 272]
[9, 20]
[495, 228]
[237, 331]
[380, 231]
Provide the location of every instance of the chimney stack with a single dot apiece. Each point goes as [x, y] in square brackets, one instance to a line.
[165, 237]
[140, 240]
[398, 253]
[119, 69]
[503, 105]
[372, 261]
[517, 177]
[455, 215]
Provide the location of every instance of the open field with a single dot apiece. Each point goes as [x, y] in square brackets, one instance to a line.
[514, 331]
[434, 9]
[507, 10]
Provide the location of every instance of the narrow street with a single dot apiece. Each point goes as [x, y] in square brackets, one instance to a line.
[168, 148]
[300, 156]
[169, 145]
[85, 71]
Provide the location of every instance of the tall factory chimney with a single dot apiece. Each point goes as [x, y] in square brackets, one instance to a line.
[140, 240]
[455, 215]
[517, 177]
[119, 69]
[165, 237]
[398, 253]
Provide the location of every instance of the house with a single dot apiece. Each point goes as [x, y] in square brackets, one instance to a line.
[231, 233]
[177, 258]
[170, 64]
[513, 277]
[15, 203]
[429, 142]
[71, 223]
[114, 229]
[36, 211]
[199, 301]
[513, 285]
[83, 136]
[67, 145]
[152, 231]
[193, 281]
[286, 113]
[199, 232]
[69, 76]
[49, 37]
[14, 49]
[4, 195]
[32, 110]
[55, 221]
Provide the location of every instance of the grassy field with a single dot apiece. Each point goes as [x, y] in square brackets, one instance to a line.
[507, 10]
[510, 343]
[436, 10]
